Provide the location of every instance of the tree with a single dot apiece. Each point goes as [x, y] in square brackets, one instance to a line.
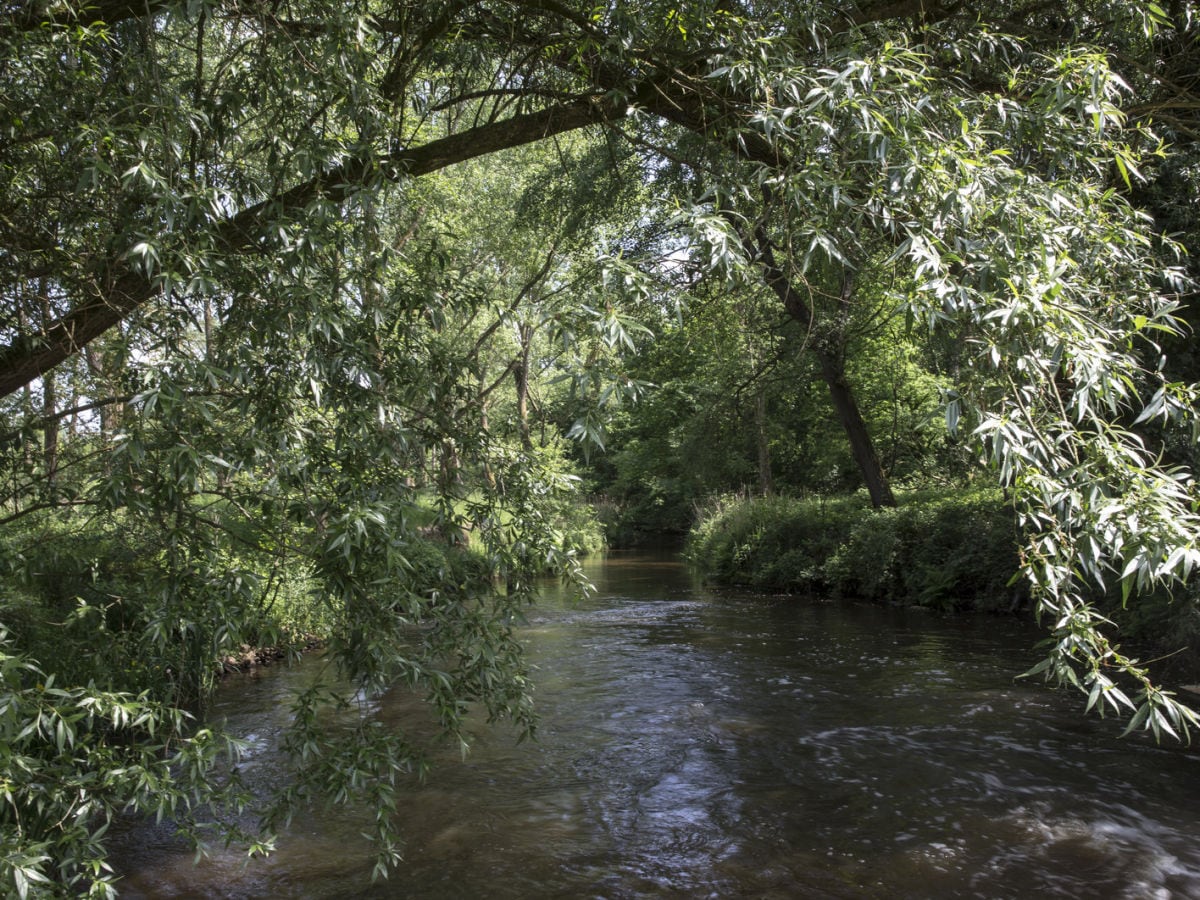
[217, 202]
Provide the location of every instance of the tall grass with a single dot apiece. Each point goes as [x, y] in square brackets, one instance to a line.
[945, 550]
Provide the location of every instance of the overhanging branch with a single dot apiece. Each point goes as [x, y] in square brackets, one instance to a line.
[126, 289]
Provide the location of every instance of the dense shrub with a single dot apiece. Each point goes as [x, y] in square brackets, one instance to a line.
[582, 530]
[775, 543]
[943, 550]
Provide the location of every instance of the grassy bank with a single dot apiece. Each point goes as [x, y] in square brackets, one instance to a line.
[939, 550]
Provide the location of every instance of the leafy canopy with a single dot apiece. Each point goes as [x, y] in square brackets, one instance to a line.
[277, 359]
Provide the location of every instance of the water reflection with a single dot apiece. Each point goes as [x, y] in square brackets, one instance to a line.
[699, 745]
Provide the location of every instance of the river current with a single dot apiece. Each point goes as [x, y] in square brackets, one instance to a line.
[701, 744]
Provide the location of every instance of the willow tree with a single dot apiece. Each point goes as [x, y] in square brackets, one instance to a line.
[213, 201]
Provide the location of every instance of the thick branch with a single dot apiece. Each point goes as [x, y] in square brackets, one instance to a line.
[126, 289]
[32, 14]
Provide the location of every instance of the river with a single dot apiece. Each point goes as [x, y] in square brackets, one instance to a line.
[700, 744]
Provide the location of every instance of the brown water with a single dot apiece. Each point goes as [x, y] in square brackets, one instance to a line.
[703, 745]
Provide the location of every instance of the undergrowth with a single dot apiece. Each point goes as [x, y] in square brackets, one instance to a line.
[936, 549]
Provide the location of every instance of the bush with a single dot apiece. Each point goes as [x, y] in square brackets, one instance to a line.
[942, 550]
[774, 543]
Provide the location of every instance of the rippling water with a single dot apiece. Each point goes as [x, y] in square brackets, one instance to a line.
[702, 745]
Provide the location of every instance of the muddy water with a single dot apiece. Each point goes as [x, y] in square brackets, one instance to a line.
[703, 745]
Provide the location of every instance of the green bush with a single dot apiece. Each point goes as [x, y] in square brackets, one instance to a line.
[582, 530]
[943, 550]
[775, 543]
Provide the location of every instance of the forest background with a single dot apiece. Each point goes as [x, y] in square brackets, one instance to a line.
[339, 322]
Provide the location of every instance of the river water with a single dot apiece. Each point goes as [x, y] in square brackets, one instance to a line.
[695, 744]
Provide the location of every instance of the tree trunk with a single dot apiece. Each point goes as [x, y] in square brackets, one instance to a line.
[26, 404]
[450, 473]
[49, 405]
[104, 379]
[521, 373]
[766, 480]
[833, 371]
[828, 346]
[489, 476]
[50, 441]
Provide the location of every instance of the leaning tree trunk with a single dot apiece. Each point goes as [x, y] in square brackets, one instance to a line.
[833, 371]
[829, 348]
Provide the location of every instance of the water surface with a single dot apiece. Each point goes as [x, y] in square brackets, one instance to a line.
[695, 744]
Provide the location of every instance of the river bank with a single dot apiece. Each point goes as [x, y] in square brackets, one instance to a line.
[943, 551]
[948, 551]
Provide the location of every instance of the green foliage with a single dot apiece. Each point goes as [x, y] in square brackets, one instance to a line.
[330, 448]
[74, 758]
[1018, 243]
[740, 404]
[776, 543]
[267, 368]
[944, 550]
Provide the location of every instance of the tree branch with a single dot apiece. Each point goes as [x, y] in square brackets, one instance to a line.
[126, 289]
[31, 14]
